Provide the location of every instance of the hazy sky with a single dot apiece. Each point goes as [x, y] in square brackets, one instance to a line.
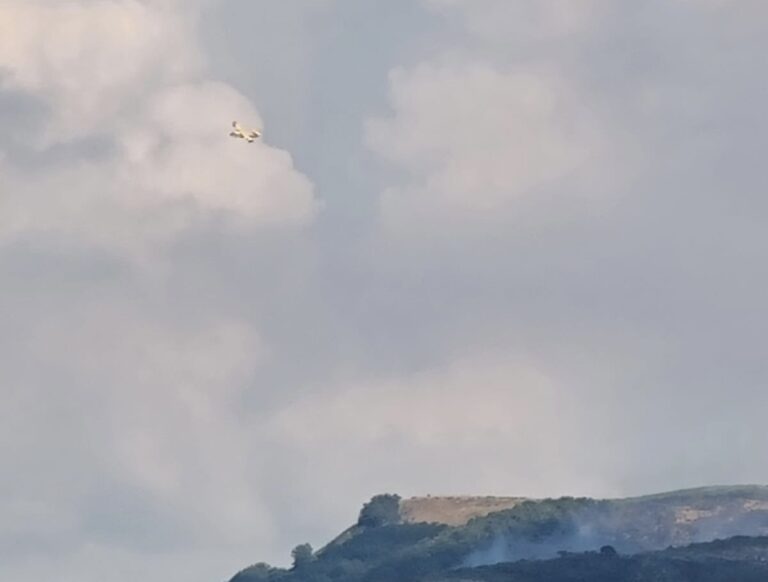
[485, 246]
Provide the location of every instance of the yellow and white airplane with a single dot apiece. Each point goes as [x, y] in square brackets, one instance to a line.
[248, 135]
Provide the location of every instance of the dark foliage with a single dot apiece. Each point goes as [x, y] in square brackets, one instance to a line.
[379, 511]
[302, 555]
[558, 540]
[696, 563]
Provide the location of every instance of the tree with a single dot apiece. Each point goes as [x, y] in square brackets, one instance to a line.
[302, 555]
[608, 552]
[380, 510]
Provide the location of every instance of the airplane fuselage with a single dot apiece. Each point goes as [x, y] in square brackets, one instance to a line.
[249, 136]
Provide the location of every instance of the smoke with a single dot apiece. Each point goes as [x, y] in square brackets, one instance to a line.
[629, 526]
[504, 549]
[579, 534]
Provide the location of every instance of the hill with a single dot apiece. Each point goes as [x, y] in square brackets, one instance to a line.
[509, 538]
[738, 559]
[453, 510]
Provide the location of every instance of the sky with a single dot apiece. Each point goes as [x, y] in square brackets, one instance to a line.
[510, 247]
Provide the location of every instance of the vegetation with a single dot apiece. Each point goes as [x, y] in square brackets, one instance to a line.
[302, 555]
[741, 559]
[379, 511]
[554, 540]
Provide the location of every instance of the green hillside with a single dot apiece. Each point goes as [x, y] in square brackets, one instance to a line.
[550, 539]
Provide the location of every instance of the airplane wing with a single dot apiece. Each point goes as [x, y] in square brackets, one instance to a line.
[238, 131]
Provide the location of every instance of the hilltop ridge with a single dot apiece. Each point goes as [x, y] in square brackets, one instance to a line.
[460, 509]
[453, 510]
[433, 539]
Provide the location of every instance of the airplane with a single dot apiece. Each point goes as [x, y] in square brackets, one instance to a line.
[249, 136]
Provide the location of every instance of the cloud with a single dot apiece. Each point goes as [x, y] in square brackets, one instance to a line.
[412, 431]
[539, 112]
[137, 447]
[480, 141]
[127, 77]
[122, 424]
[568, 186]
[90, 61]
[182, 152]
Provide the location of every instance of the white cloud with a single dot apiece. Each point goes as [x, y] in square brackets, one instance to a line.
[181, 150]
[120, 424]
[145, 409]
[480, 142]
[490, 422]
[128, 75]
[90, 61]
